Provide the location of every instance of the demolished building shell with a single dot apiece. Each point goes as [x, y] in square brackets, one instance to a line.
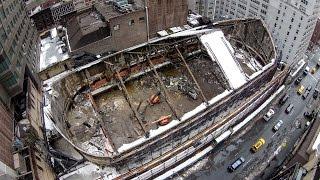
[203, 78]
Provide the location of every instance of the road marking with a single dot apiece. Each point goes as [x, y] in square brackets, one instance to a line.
[313, 77]
[273, 135]
[247, 162]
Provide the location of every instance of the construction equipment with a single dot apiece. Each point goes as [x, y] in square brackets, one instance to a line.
[154, 99]
[164, 120]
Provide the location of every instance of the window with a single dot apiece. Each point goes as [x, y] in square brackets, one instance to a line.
[10, 82]
[116, 27]
[131, 22]
[141, 19]
[3, 35]
[4, 64]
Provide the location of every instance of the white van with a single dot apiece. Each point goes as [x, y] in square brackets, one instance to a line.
[268, 115]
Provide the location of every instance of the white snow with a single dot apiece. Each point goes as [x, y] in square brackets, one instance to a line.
[91, 171]
[47, 121]
[263, 69]
[51, 51]
[185, 164]
[190, 32]
[316, 144]
[173, 123]
[163, 33]
[301, 63]
[221, 51]
[223, 136]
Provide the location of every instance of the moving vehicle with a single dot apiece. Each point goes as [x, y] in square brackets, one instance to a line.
[289, 108]
[315, 93]
[278, 125]
[268, 115]
[284, 99]
[256, 146]
[236, 164]
[297, 82]
[300, 90]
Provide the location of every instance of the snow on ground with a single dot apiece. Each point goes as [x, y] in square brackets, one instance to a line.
[221, 51]
[316, 145]
[51, 51]
[91, 171]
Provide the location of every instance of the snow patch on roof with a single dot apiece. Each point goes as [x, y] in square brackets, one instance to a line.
[222, 52]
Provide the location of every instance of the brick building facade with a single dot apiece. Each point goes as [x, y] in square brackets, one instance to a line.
[106, 29]
[6, 135]
[164, 14]
[315, 39]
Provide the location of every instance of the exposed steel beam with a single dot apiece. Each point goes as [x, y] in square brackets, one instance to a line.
[190, 72]
[165, 92]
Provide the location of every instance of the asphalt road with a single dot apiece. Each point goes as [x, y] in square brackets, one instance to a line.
[262, 164]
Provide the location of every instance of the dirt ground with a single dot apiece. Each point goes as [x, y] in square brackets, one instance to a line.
[117, 117]
[183, 96]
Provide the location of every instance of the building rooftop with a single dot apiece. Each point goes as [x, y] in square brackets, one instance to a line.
[52, 50]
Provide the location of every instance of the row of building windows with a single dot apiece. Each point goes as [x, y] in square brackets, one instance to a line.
[130, 23]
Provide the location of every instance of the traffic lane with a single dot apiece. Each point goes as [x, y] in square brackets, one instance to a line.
[273, 139]
[264, 130]
[241, 147]
[292, 136]
[231, 151]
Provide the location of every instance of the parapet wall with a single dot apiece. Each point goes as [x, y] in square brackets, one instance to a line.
[154, 147]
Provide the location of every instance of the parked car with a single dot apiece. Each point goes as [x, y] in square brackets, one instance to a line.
[284, 99]
[297, 82]
[309, 88]
[307, 114]
[315, 93]
[289, 108]
[256, 146]
[305, 95]
[313, 70]
[300, 90]
[268, 115]
[236, 164]
[278, 125]
[305, 72]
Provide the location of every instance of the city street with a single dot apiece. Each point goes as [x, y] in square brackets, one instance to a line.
[262, 164]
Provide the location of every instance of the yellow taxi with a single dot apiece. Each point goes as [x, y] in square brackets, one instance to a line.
[256, 146]
[313, 70]
[300, 90]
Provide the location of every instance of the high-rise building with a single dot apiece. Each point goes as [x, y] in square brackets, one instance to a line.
[19, 45]
[315, 39]
[291, 22]
[21, 153]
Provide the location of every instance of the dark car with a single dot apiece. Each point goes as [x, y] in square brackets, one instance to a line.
[236, 164]
[298, 80]
[305, 95]
[305, 72]
[307, 114]
[315, 93]
[289, 108]
[284, 99]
